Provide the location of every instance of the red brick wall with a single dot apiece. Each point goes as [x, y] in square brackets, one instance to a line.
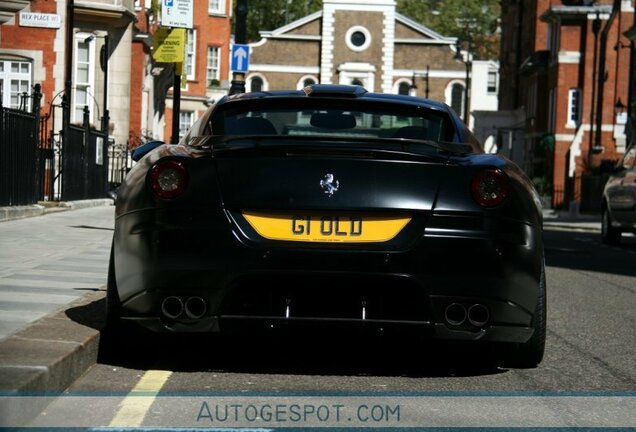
[12, 36]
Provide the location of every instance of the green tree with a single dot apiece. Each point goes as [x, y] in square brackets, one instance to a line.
[477, 19]
[474, 19]
[266, 15]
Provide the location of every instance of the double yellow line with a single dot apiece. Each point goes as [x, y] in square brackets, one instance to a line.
[133, 408]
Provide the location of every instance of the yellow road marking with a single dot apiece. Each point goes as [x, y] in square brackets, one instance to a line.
[134, 407]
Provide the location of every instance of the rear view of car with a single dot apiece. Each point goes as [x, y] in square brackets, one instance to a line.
[332, 206]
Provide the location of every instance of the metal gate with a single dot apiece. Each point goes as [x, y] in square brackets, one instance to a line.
[37, 163]
[84, 163]
[19, 157]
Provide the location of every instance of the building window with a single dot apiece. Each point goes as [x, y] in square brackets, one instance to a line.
[216, 6]
[358, 38]
[404, 88]
[256, 84]
[83, 79]
[213, 70]
[493, 81]
[190, 54]
[186, 119]
[574, 107]
[457, 98]
[305, 81]
[15, 82]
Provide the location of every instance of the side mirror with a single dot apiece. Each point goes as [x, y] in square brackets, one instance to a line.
[144, 149]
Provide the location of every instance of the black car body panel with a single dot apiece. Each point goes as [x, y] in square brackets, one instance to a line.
[197, 262]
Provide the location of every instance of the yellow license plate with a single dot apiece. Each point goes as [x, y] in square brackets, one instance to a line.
[326, 227]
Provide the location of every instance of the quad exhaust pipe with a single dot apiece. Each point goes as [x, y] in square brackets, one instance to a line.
[172, 307]
[195, 307]
[455, 314]
[477, 315]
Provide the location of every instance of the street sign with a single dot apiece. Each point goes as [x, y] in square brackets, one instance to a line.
[169, 45]
[240, 58]
[36, 19]
[177, 13]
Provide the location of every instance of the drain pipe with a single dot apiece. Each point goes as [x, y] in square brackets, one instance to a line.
[602, 71]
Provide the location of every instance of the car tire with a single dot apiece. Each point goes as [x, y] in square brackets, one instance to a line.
[113, 304]
[529, 354]
[609, 234]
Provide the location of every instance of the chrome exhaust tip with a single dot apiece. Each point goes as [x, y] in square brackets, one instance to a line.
[478, 315]
[455, 314]
[195, 307]
[172, 307]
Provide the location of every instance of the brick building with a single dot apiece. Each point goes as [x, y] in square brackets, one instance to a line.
[563, 72]
[367, 42]
[206, 66]
[33, 45]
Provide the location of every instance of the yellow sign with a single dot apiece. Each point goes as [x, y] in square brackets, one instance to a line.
[327, 228]
[169, 45]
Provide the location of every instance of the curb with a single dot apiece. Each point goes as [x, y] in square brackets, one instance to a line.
[44, 207]
[50, 354]
[572, 226]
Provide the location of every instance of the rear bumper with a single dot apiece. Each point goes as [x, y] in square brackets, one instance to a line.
[423, 329]
[181, 253]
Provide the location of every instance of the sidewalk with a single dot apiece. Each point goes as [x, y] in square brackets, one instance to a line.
[45, 207]
[52, 268]
[570, 221]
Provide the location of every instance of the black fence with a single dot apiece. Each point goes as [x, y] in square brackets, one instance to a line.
[20, 173]
[37, 163]
[588, 194]
[84, 163]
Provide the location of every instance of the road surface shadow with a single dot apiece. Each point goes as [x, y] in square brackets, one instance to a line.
[584, 251]
[293, 354]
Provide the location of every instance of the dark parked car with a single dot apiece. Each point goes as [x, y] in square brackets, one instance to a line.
[332, 206]
[619, 199]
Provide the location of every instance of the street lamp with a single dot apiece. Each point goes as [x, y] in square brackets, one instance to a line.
[424, 75]
[468, 63]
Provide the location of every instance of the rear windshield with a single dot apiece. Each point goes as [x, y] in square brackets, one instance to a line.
[325, 119]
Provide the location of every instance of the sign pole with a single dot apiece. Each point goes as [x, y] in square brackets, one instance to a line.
[176, 106]
[175, 14]
[238, 77]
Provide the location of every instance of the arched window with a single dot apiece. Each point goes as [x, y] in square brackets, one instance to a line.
[457, 98]
[404, 88]
[256, 84]
[306, 80]
[356, 81]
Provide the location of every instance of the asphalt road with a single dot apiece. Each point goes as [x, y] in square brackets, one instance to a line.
[590, 349]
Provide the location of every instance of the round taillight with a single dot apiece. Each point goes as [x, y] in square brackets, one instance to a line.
[168, 179]
[489, 187]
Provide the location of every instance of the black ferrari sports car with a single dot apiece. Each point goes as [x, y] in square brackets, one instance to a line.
[331, 206]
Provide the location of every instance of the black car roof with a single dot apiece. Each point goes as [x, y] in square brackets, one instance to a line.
[340, 92]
